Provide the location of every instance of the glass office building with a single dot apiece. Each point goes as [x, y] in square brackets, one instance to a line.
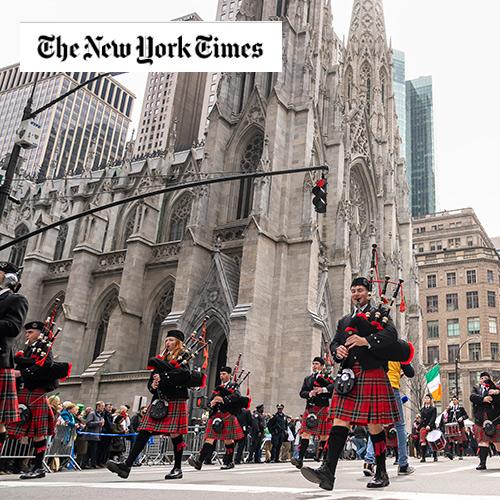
[399, 85]
[97, 115]
[420, 145]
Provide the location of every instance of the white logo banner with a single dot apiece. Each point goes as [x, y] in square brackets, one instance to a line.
[167, 47]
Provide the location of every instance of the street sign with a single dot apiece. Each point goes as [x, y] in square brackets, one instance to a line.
[28, 135]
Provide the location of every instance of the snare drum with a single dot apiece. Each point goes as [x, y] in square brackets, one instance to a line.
[452, 430]
[436, 440]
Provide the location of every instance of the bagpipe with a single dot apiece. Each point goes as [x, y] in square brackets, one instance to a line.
[233, 387]
[194, 345]
[377, 319]
[35, 361]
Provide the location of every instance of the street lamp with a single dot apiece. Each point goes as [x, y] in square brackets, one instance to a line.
[28, 125]
[457, 359]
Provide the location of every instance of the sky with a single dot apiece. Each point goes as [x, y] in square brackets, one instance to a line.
[454, 41]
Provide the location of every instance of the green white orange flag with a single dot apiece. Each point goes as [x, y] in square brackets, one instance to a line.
[433, 379]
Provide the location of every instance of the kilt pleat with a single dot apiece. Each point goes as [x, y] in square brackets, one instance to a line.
[42, 418]
[9, 411]
[231, 430]
[325, 421]
[371, 401]
[175, 422]
[480, 436]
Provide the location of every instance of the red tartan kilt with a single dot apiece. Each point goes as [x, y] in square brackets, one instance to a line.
[325, 421]
[371, 401]
[231, 430]
[42, 421]
[480, 436]
[176, 421]
[422, 433]
[9, 411]
[391, 438]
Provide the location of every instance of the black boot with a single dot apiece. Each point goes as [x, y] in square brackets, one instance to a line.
[325, 475]
[175, 473]
[299, 462]
[381, 479]
[119, 468]
[483, 455]
[33, 474]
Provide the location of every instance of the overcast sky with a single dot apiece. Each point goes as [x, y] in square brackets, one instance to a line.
[455, 41]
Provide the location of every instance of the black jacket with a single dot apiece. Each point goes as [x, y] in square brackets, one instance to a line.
[317, 380]
[258, 424]
[365, 356]
[484, 411]
[231, 396]
[428, 416]
[278, 425]
[13, 310]
[456, 415]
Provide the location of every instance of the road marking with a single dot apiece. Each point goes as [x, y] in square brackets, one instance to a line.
[448, 471]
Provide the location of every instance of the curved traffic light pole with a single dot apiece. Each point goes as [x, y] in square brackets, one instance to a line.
[168, 189]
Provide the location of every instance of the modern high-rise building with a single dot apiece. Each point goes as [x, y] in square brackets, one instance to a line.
[87, 128]
[172, 100]
[420, 145]
[459, 270]
[399, 86]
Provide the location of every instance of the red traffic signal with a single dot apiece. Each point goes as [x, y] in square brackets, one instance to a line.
[319, 192]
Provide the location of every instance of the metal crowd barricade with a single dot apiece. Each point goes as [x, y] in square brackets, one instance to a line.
[61, 445]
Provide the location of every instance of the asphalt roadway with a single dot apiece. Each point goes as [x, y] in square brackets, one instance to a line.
[444, 480]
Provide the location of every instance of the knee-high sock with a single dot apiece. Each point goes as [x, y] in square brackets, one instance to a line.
[336, 442]
[40, 447]
[321, 448]
[423, 450]
[484, 452]
[206, 451]
[179, 446]
[140, 443]
[379, 446]
[228, 457]
[304, 443]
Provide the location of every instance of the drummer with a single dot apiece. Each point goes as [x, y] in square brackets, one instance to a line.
[428, 415]
[454, 428]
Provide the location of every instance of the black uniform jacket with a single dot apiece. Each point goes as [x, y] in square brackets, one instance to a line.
[365, 356]
[484, 411]
[455, 414]
[174, 381]
[231, 396]
[317, 380]
[13, 310]
[38, 377]
[428, 416]
[258, 424]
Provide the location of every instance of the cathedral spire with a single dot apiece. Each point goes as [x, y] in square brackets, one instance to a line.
[367, 22]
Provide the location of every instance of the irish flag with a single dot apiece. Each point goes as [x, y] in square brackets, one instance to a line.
[434, 382]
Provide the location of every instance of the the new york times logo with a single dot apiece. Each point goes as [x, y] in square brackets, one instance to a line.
[146, 50]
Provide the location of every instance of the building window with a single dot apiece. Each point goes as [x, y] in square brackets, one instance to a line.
[472, 300]
[473, 326]
[452, 352]
[452, 383]
[431, 281]
[452, 301]
[492, 299]
[489, 277]
[494, 350]
[60, 242]
[432, 304]
[432, 329]
[453, 327]
[18, 251]
[129, 227]
[451, 279]
[432, 354]
[102, 327]
[475, 351]
[471, 277]
[436, 246]
[180, 217]
[492, 325]
[248, 163]
[163, 309]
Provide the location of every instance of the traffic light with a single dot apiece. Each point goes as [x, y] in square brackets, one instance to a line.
[319, 192]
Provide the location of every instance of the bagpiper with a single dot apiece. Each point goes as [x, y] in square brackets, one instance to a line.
[455, 415]
[13, 310]
[167, 414]
[37, 375]
[225, 403]
[317, 389]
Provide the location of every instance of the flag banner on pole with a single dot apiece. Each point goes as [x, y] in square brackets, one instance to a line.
[433, 379]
